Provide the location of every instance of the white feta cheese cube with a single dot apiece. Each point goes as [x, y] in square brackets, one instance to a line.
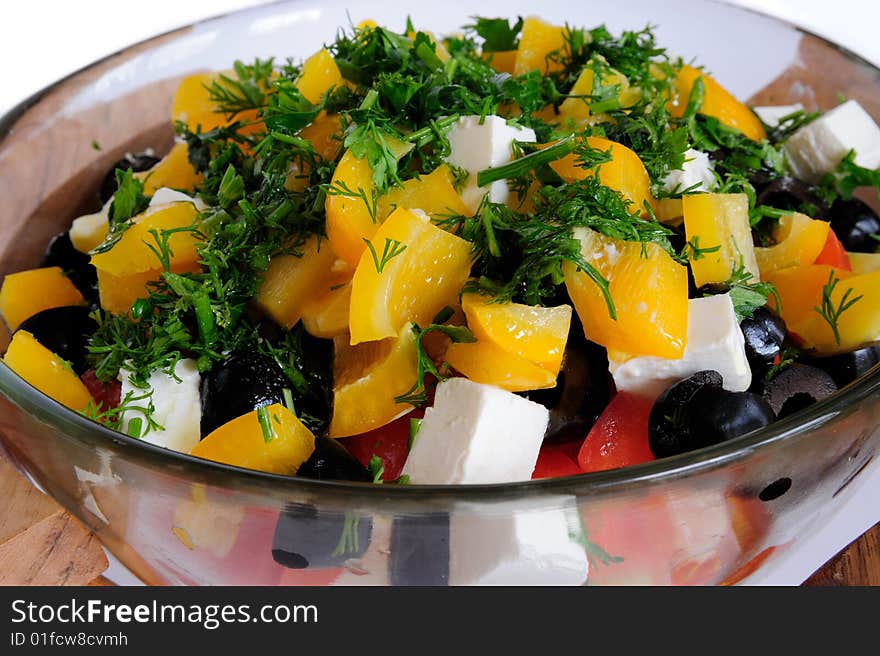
[165, 196]
[696, 174]
[176, 407]
[714, 341]
[476, 434]
[84, 228]
[772, 115]
[818, 147]
[515, 544]
[476, 145]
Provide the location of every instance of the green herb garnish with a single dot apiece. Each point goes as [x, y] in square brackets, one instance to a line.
[830, 311]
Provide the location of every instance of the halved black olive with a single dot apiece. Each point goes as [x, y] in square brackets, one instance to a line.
[855, 224]
[61, 253]
[846, 367]
[314, 360]
[238, 385]
[136, 162]
[582, 390]
[306, 537]
[764, 334]
[698, 412]
[330, 461]
[796, 387]
[65, 331]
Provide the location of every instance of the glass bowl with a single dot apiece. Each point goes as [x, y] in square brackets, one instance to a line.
[708, 517]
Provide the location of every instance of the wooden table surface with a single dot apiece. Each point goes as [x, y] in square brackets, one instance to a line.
[42, 544]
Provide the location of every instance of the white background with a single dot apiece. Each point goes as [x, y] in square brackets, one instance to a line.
[41, 41]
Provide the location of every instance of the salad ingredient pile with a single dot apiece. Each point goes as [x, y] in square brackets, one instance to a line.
[524, 250]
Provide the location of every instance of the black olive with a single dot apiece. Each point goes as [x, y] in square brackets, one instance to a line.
[698, 412]
[719, 415]
[582, 390]
[131, 162]
[64, 331]
[793, 194]
[846, 367]
[583, 386]
[330, 461]
[61, 253]
[306, 537]
[668, 427]
[711, 289]
[855, 224]
[420, 550]
[796, 387]
[314, 360]
[238, 385]
[764, 334]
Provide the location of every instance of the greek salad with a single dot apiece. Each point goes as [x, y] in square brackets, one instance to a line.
[523, 250]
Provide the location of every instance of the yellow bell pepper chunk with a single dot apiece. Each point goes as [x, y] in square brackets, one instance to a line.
[799, 240]
[802, 289]
[624, 173]
[352, 203]
[502, 61]
[719, 221]
[325, 135]
[173, 171]
[669, 211]
[291, 280]
[536, 334]
[717, 102]
[537, 43]
[46, 371]
[327, 316]
[25, 293]
[132, 253]
[118, 293]
[857, 325]
[411, 271]
[192, 104]
[366, 380]
[433, 193]
[319, 73]
[270, 439]
[485, 362]
[650, 295]
[799, 289]
[580, 108]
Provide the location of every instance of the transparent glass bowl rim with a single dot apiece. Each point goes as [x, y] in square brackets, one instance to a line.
[75, 425]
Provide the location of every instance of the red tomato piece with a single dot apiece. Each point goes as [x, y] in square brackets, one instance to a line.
[834, 254]
[389, 442]
[106, 395]
[619, 437]
[557, 459]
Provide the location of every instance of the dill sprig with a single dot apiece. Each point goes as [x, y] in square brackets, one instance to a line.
[248, 90]
[392, 249]
[417, 395]
[831, 311]
[132, 403]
